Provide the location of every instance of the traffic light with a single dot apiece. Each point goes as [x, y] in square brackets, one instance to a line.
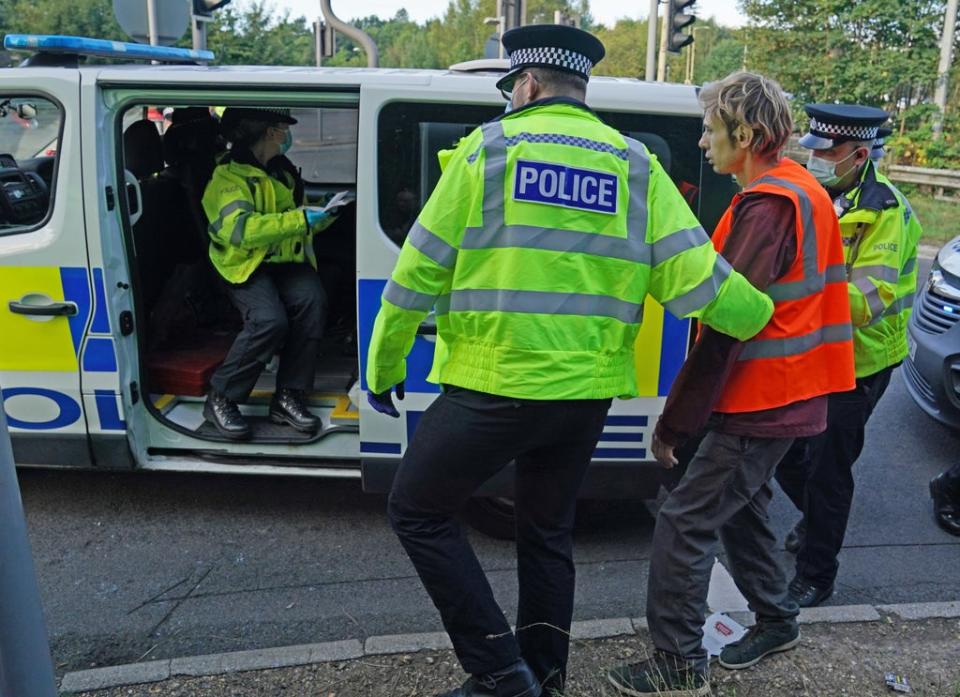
[677, 20]
[206, 7]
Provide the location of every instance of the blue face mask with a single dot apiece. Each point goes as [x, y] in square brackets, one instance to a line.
[287, 142]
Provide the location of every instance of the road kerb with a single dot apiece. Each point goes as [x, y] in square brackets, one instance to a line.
[306, 654]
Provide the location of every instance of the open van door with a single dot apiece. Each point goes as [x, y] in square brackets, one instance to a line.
[47, 299]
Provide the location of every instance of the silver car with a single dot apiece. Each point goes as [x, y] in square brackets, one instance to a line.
[932, 368]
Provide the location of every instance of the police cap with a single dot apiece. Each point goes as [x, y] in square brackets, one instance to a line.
[832, 124]
[877, 151]
[554, 46]
[269, 115]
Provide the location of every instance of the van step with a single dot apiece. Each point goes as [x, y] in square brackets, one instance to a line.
[264, 431]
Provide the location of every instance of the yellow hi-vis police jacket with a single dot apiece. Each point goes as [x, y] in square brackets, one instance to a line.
[254, 218]
[880, 236]
[537, 249]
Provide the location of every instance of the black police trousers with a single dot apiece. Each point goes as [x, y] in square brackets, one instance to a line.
[284, 308]
[463, 439]
[817, 476]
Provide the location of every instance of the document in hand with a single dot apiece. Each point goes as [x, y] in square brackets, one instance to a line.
[341, 198]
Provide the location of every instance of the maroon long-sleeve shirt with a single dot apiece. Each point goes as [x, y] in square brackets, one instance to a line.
[762, 245]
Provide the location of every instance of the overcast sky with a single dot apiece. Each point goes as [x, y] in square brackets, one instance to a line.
[604, 11]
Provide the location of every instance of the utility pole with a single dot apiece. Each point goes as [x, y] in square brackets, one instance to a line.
[652, 40]
[943, 72]
[662, 57]
[500, 21]
[152, 22]
[26, 669]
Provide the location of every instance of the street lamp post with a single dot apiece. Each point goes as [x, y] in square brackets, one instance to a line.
[25, 666]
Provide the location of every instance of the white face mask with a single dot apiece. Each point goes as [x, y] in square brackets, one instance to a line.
[825, 171]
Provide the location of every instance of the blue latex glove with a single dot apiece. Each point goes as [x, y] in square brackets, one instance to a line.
[383, 402]
[315, 217]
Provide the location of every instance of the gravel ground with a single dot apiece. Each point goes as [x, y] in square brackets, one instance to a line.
[838, 660]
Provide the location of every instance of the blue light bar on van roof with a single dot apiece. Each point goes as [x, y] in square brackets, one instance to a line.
[37, 43]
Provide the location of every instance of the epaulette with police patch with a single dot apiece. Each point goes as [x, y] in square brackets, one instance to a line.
[876, 195]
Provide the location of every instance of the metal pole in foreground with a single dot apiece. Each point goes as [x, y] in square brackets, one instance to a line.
[662, 55]
[652, 41]
[943, 72]
[26, 669]
[152, 22]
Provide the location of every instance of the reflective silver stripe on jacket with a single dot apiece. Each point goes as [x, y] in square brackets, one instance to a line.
[430, 245]
[896, 307]
[214, 228]
[703, 294]
[542, 302]
[796, 345]
[554, 240]
[888, 274]
[871, 294]
[813, 281]
[406, 298]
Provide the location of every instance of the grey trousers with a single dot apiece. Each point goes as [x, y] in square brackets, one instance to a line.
[725, 491]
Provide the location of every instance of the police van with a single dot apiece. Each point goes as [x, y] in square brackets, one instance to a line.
[111, 319]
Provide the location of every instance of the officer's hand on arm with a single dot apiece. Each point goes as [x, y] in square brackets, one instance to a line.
[383, 402]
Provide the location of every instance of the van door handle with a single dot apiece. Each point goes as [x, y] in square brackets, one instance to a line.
[66, 309]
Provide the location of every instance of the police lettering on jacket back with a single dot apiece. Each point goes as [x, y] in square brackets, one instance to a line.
[562, 185]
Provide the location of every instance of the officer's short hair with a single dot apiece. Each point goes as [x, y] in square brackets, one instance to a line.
[559, 81]
[755, 101]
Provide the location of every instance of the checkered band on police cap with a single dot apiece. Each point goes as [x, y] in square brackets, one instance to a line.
[552, 56]
[822, 128]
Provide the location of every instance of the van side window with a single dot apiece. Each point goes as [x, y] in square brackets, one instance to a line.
[29, 136]
[409, 135]
[325, 145]
[674, 141]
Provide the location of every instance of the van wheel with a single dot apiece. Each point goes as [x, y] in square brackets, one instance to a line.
[494, 517]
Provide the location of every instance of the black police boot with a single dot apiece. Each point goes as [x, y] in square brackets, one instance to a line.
[807, 594]
[223, 413]
[287, 407]
[946, 504]
[795, 538]
[517, 680]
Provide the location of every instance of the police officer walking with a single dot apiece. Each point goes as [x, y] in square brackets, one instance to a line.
[537, 248]
[261, 244]
[880, 234]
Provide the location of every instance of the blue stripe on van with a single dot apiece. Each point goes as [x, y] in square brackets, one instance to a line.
[421, 356]
[673, 350]
[621, 453]
[381, 448]
[626, 421]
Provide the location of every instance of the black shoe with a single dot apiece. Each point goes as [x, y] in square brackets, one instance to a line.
[224, 414]
[663, 675]
[946, 506]
[796, 537]
[287, 407]
[515, 681]
[807, 594]
[762, 639]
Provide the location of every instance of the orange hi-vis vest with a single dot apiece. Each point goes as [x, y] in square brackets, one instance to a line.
[806, 350]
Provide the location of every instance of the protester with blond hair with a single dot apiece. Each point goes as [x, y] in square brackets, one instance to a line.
[747, 400]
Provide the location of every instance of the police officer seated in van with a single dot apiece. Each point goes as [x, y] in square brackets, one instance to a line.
[261, 244]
